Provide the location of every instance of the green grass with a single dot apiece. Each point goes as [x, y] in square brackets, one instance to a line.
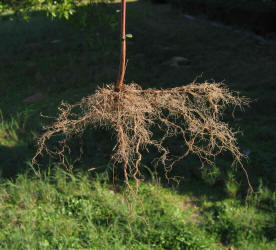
[66, 211]
[76, 211]
[68, 60]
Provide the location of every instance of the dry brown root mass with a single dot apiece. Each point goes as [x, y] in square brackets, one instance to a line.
[192, 112]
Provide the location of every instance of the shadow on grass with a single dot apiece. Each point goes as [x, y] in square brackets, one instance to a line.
[13, 160]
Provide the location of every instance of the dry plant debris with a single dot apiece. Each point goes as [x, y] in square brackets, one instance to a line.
[192, 112]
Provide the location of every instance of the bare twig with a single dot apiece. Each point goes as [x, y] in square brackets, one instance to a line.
[122, 68]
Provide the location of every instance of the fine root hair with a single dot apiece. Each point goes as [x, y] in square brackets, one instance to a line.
[192, 113]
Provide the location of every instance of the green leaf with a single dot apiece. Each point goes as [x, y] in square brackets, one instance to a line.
[129, 35]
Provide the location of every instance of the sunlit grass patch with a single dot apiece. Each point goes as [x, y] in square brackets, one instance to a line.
[13, 130]
[64, 210]
[60, 209]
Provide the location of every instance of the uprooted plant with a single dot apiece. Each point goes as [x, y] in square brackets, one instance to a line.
[192, 112]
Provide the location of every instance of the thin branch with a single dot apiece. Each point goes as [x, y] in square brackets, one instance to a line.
[122, 68]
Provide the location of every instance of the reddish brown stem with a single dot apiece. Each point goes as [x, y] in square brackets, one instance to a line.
[123, 47]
